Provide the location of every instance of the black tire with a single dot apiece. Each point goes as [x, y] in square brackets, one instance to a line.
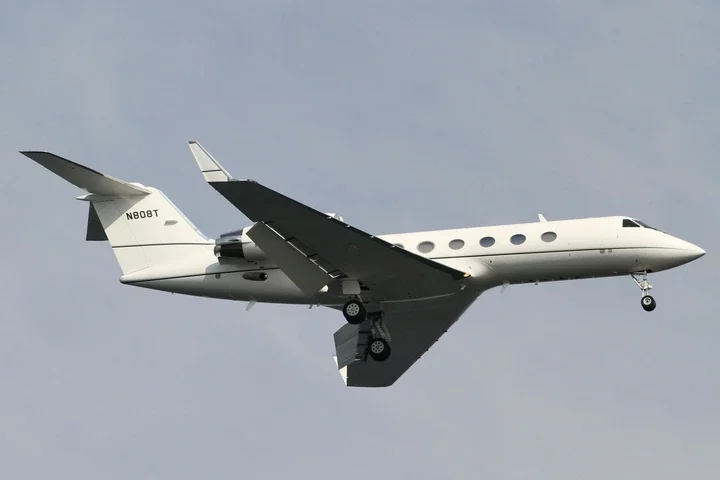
[379, 349]
[648, 303]
[354, 312]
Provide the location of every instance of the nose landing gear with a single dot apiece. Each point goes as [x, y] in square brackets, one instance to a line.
[647, 301]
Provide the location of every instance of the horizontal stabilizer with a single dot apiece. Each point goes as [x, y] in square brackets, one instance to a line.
[86, 178]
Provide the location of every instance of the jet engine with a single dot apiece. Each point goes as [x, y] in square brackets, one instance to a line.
[237, 244]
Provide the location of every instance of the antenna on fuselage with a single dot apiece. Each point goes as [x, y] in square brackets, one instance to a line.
[542, 218]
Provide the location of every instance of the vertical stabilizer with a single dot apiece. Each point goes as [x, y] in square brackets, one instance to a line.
[148, 230]
[141, 224]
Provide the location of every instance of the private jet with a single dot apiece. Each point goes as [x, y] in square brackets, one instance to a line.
[398, 293]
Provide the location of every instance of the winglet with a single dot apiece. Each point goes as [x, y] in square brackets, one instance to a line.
[210, 168]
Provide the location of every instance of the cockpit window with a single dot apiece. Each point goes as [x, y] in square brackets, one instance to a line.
[629, 223]
[645, 225]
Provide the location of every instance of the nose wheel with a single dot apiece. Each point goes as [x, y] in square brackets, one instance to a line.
[647, 301]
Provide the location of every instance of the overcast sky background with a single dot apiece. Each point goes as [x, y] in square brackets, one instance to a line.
[401, 116]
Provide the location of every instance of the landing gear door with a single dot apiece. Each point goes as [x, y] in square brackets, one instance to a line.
[350, 342]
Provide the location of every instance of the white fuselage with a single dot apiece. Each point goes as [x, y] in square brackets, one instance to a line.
[551, 251]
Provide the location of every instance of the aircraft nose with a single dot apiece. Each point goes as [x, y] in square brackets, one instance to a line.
[676, 252]
[695, 252]
[686, 251]
[689, 251]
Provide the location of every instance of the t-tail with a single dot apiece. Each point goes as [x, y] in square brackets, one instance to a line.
[141, 224]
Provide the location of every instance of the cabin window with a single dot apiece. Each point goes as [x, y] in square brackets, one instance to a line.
[517, 239]
[456, 244]
[487, 242]
[548, 237]
[426, 247]
[629, 223]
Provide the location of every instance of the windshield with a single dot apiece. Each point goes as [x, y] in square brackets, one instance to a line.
[632, 222]
[645, 225]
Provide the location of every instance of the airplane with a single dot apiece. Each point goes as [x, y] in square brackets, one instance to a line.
[399, 293]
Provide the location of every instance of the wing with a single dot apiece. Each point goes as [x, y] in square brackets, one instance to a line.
[390, 272]
[415, 327]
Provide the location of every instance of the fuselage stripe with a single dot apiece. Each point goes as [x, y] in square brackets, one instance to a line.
[162, 244]
[201, 275]
[537, 252]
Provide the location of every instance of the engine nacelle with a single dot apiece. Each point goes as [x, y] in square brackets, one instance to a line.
[238, 245]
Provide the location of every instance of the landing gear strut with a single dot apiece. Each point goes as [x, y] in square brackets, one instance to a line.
[378, 346]
[647, 301]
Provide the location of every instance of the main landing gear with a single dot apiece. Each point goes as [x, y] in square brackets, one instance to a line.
[378, 345]
[647, 301]
[379, 349]
[354, 312]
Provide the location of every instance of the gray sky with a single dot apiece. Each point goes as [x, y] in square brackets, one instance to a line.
[400, 116]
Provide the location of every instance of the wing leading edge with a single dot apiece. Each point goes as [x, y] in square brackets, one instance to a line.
[392, 273]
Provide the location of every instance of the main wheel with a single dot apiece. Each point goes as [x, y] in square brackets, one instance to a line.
[354, 312]
[379, 349]
[648, 303]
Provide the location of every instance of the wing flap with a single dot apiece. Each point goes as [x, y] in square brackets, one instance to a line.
[300, 269]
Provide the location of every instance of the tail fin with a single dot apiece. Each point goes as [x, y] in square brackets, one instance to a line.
[141, 224]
